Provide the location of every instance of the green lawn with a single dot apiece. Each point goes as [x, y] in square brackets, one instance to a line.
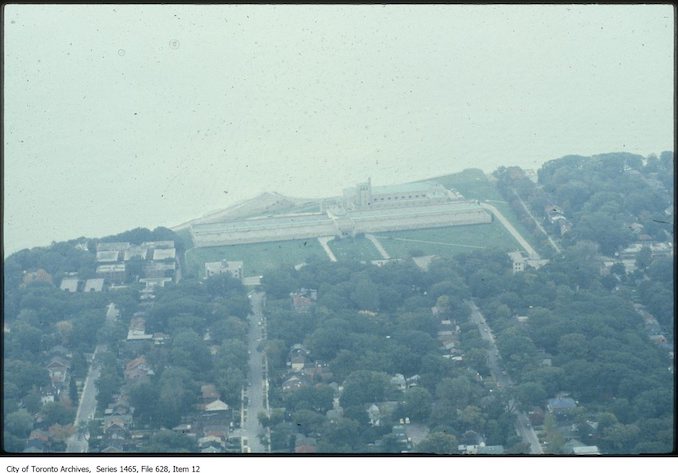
[448, 241]
[256, 257]
[474, 184]
[511, 216]
[349, 248]
[471, 183]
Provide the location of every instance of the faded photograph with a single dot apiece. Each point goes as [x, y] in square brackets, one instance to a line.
[347, 229]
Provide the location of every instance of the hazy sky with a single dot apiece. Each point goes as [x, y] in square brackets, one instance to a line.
[124, 116]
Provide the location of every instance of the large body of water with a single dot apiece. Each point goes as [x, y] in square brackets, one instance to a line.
[126, 116]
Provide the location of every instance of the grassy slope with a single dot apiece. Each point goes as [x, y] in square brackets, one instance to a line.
[257, 257]
[448, 241]
[359, 248]
[474, 184]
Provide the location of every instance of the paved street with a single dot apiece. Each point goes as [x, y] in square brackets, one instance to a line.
[523, 426]
[77, 443]
[323, 242]
[377, 244]
[255, 395]
[536, 222]
[512, 230]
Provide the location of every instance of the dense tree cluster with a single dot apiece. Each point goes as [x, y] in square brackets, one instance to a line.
[366, 337]
[577, 336]
[601, 196]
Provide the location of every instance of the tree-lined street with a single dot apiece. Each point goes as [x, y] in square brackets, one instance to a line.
[503, 380]
[254, 395]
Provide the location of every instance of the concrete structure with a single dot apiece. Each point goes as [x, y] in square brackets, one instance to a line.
[107, 256]
[159, 269]
[69, 284]
[135, 252]
[520, 261]
[154, 282]
[365, 197]
[94, 285]
[363, 209]
[113, 246]
[137, 329]
[112, 272]
[234, 268]
[160, 254]
[586, 450]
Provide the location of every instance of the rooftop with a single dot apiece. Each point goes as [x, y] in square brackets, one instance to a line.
[111, 268]
[113, 245]
[163, 253]
[95, 285]
[107, 256]
[135, 251]
[562, 403]
[407, 187]
[69, 284]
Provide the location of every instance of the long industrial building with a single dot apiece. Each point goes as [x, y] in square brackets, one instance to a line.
[362, 209]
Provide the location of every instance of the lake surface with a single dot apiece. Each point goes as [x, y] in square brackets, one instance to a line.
[125, 116]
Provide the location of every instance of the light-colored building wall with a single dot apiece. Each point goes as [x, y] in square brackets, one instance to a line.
[365, 209]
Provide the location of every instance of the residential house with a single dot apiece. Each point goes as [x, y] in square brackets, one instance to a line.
[303, 299]
[552, 210]
[212, 444]
[400, 434]
[216, 406]
[186, 429]
[116, 430]
[108, 256]
[112, 449]
[234, 268]
[413, 381]
[70, 284]
[297, 363]
[399, 381]
[135, 252]
[164, 254]
[298, 350]
[158, 244]
[561, 407]
[48, 394]
[58, 370]
[211, 449]
[518, 261]
[295, 382]
[137, 369]
[216, 415]
[159, 269]
[112, 272]
[113, 246]
[318, 372]
[152, 283]
[94, 285]
[137, 328]
[472, 437]
[160, 338]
